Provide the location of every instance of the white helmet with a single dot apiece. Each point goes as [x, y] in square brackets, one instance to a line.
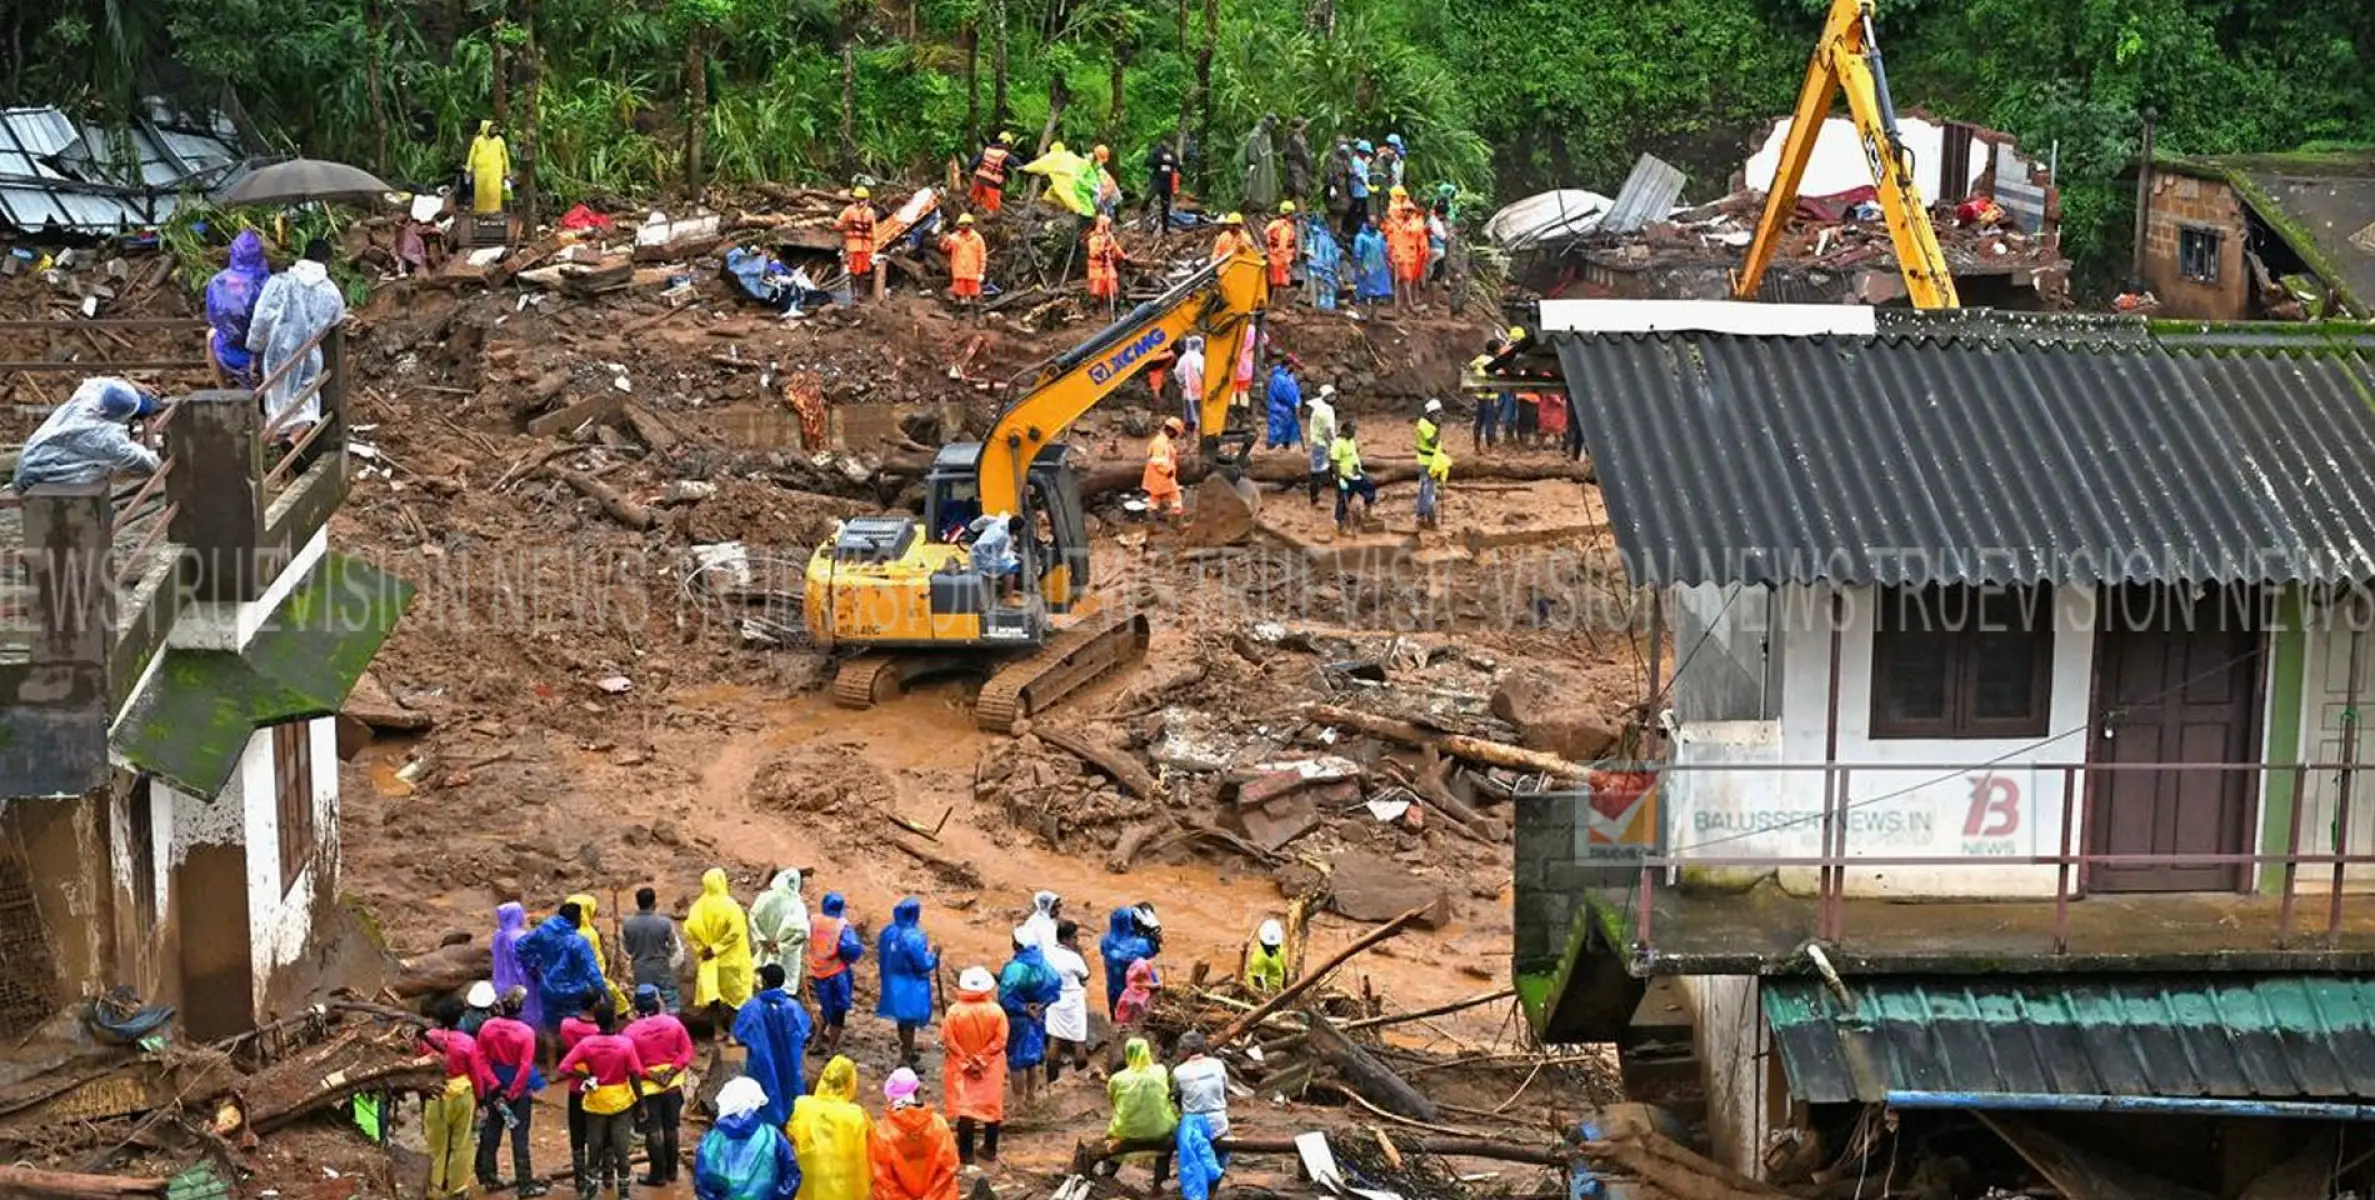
[1272, 934]
[1434, 406]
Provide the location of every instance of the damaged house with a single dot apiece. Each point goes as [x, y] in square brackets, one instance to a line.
[59, 175]
[1642, 246]
[173, 656]
[2259, 236]
[2009, 807]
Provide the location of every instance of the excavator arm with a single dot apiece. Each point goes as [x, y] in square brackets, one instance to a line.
[1848, 59]
[1221, 300]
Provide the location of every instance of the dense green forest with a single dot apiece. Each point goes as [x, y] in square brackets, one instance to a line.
[1499, 96]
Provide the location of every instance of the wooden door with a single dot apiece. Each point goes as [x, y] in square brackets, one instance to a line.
[2335, 738]
[2177, 681]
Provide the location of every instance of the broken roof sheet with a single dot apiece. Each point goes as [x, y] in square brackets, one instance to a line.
[82, 177]
[1648, 195]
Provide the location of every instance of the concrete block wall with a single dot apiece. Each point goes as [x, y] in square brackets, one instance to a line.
[1550, 879]
[2180, 202]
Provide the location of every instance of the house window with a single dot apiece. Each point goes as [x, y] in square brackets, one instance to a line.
[292, 776]
[1960, 662]
[2197, 253]
[140, 832]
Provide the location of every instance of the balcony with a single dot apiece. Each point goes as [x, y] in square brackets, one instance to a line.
[1935, 867]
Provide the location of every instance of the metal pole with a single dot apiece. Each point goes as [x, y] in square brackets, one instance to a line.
[2292, 860]
[1829, 878]
[2350, 745]
[2061, 887]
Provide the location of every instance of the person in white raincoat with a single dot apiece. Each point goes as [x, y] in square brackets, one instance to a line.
[1068, 1018]
[84, 439]
[1190, 370]
[1041, 925]
[296, 305]
[779, 928]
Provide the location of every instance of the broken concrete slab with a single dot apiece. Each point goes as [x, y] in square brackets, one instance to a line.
[1366, 887]
[374, 706]
[1280, 821]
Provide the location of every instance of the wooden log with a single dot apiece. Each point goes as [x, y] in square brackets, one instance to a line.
[1117, 764]
[962, 874]
[1362, 1073]
[650, 429]
[445, 969]
[1439, 1010]
[1517, 1152]
[1498, 754]
[1678, 1172]
[1237, 1028]
[620, 509]
[33, 1182]
[413, 1074]
[595, 411]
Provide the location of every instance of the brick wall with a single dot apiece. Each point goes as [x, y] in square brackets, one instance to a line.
[2180, 202]
[1548, 890]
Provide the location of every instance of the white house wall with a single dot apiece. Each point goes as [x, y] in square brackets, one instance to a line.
[1729, 1037]
[215, 626]
[279, 919]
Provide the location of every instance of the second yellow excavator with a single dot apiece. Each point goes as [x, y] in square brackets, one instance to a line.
[907, 594]
[1847, 59]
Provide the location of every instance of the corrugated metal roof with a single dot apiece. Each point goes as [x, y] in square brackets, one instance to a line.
[2272, 1037]
[84, 177]
[2030, 453]
[1648, 195]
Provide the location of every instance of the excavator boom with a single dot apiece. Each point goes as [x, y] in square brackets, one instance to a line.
[1847, 59]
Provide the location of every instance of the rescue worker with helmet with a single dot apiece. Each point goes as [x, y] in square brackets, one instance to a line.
[856, 224]
[967, 259]
[1434, 465]
[989, 174]
[1161, 480]
[1282, 239]
[1233, 239]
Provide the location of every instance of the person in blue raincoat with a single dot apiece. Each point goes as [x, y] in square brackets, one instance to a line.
[907, 961]
[1026, 987]
[1121, 946]
[1323, 261]
[568, 977]
[1199, 1167]
[773, 1028]
[1373, 277]
[1286, 403]
[745, 1155]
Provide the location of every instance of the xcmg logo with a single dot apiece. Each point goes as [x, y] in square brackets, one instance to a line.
[1121, 359]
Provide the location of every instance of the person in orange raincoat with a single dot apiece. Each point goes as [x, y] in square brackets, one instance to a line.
[856, 224]
[967, 258]
[1105, 269]
[1161, 480]
[989, 174]
[973, 1034]
[1232, 240]
[1282, 238]
[1406, 247]
[915, 1154]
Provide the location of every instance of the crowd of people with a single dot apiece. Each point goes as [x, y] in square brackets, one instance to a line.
[779, 981]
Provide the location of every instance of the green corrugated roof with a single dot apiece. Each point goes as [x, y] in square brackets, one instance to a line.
[2262, 1037]
[195, 715]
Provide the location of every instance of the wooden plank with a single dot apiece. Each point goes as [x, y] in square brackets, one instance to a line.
[601, 410]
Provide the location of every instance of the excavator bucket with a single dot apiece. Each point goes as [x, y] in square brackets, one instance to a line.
[1227, 502]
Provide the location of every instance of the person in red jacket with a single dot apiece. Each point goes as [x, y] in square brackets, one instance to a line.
[445, 1115]
[507, 1049]
[667, 1050]
[607, 1068]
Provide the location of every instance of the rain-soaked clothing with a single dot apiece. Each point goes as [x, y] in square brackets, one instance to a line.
[1027, 981]
[1138, 993]
[1068, 1017]
[586, 904]
[773, 1029]
[720, 937]
[974, 1035]
[1286, 399]
[907, 962]
[1141, 1095]
[745, 1157]
[511, 924]
[1323, 263]
[833, 948]
[231, 303]
[1199, 1167]
[1190, 370]
[779, 925]
[915, 1155]
[295, 305]
[830, 1135]
[1041, 924]
[84, 439]
[490, 162]
[1258, 166]
[1265, 967]
[1121, 946]
[566, 974]
[1373, 278]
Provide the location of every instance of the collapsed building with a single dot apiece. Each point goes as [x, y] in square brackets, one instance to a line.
[1999, 223]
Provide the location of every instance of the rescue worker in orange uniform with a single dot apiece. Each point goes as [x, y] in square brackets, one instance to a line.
[989, 174]
[967, 257]
[1105, 277]
[1161, 480]
[1232, 239]
[973, 1034]
[1406, 247]
[1283, 241]
[856, 224]
[833, 947]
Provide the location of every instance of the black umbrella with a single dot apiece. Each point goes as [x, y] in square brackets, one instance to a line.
[302, 179]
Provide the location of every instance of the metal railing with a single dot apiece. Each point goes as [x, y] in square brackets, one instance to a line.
[2072, 860]
[272, 433]
[128, 565]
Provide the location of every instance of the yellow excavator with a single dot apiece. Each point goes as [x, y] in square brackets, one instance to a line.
[1847, 58]
[905, 592]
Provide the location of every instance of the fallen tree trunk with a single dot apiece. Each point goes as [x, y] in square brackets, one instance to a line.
[1678, 1172]
[29, 1181]
[415, 1074]
[445, 969]
[959, 873]
[1123, 769]
[1361, 1071]
[622, 510]
[1498, 754]
[1088, 1154]
[1237, 1028]
[1424, 1013]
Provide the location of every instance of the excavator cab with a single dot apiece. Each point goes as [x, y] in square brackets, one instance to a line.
[1053, 548]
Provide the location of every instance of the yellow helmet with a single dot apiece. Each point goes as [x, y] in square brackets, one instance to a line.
[1005, 138]
[1233, 219]
[965, 219]
[1286, 206]
[1517, 333]
[861, 193]
[1398, 192]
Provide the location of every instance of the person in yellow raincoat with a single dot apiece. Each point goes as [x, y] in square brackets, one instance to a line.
[593, 934]
[1142, 1108]
[1265, 960]
[489, 166]
[720, 934]
[832, 1137]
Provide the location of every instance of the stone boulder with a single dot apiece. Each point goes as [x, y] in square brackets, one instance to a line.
[1557, 711]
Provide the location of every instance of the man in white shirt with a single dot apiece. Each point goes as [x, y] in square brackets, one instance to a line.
[1068, 1017]
[1202, 1082]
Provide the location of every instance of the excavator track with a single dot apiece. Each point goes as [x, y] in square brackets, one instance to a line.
[867, 680]
[1066, 663]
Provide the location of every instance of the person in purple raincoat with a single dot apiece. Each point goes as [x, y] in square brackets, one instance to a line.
[230, 306]
[511, 924]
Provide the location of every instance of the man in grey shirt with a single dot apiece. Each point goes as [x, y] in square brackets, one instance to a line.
[654, 948]
[1203, 1084]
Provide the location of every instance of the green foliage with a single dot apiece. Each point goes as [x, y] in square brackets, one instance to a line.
[1499, 97]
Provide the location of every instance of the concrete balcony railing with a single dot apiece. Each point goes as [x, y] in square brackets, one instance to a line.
[1733, 868]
